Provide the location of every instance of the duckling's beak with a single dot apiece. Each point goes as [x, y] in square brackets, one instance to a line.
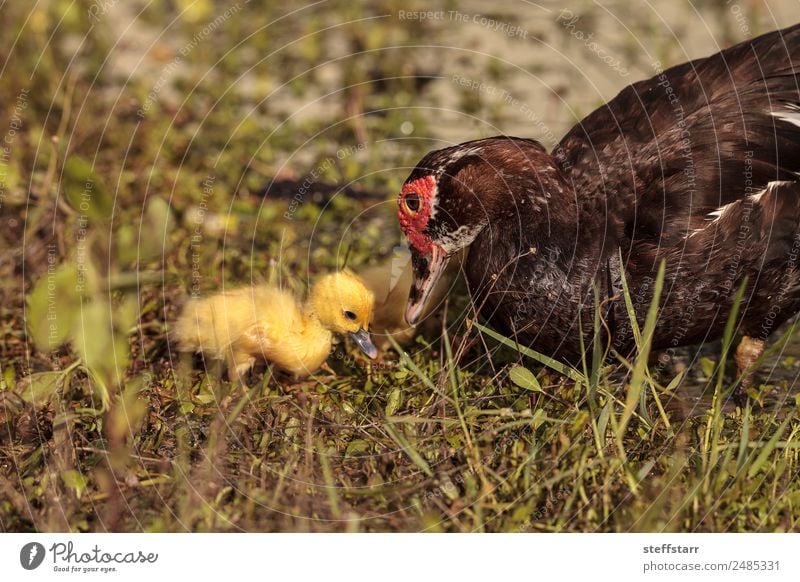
[361, 337]
[428, 269]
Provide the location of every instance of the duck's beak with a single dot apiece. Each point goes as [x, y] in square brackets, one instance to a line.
[361, 337]
[428, 269]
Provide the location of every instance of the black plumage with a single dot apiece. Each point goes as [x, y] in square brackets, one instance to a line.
[697, 167]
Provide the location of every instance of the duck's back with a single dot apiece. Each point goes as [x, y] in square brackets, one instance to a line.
[697, 166]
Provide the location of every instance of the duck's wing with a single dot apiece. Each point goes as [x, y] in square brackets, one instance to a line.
[275, 317]
[667, 152]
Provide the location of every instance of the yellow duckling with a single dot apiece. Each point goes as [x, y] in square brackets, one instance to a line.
[263, 322]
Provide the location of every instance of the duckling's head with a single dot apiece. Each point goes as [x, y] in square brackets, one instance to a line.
[343, 304]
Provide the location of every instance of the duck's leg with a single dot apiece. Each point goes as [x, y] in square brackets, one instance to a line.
[749, 350]
[238, 365]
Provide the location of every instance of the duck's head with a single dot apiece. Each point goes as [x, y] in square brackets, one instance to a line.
[344, 305]
[454, 193]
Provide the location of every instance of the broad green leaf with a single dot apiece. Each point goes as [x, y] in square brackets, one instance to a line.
[356, 447]
[156, 229]
[94, 337]
[205, 398]
[196, 10]
[675, 382]
[126, 314]
[9, 379]
[53, 307]
[10, 177]
[524, 378]
[128, 411]
[74, 480]
[205, 393]
[104, 349]
[394, 402]
[40, 387]
[538, 419]
[707, 365]
[125, 249]
[85, 192]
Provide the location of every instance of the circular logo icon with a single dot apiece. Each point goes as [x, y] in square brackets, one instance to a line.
[31, 555]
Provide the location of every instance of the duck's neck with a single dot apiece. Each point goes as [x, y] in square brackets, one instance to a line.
[536, 208]
[540, 230]
[313, 330]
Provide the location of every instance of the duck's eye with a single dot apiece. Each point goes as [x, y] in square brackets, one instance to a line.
[412, 202]
[350, 315]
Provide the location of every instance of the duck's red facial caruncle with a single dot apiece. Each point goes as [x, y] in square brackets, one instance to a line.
[415, 209]
[417, 206]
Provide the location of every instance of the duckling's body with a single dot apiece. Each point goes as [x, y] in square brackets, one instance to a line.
[263, 322]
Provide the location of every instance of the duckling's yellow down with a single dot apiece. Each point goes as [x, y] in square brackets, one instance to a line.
[266, 323]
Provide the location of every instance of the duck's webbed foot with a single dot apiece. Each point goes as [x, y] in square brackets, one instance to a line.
[749, 350]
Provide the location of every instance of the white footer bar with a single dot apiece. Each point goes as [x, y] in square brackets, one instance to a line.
[401, 557]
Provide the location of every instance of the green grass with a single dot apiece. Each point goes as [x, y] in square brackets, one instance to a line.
[103, 426]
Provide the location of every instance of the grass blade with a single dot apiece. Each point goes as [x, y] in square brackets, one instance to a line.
[744, 439]
[643, 347]
[768, 448]
[554, 365]
[406, 447]
[637, 334]
[409, 363]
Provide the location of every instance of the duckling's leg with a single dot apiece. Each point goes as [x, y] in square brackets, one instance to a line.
[238, 365]
[749, 350]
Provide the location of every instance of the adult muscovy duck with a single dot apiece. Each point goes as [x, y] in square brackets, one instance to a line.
[697, 167]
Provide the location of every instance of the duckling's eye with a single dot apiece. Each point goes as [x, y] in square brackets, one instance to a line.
[412, 202]
[350, 315]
